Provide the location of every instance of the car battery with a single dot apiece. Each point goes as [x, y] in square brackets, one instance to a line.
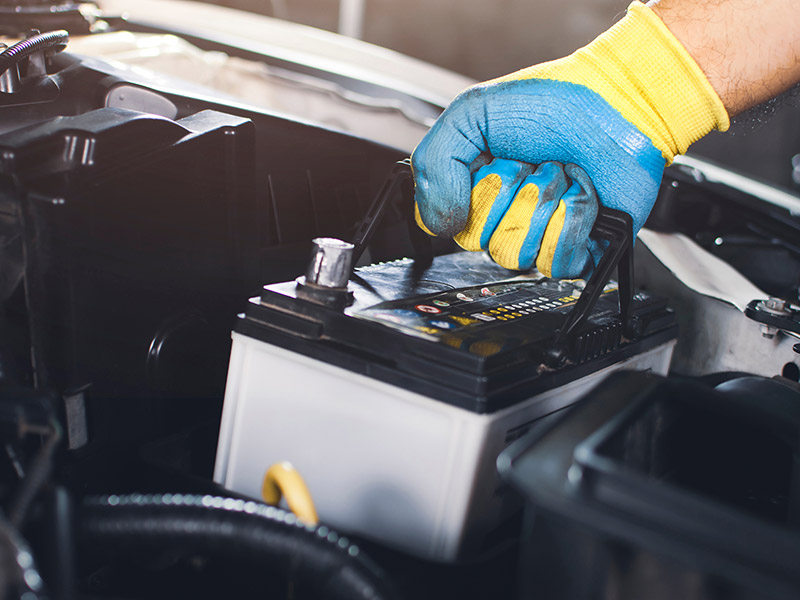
[395, 402]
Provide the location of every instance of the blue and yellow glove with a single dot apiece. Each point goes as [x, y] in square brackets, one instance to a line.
[620, 109]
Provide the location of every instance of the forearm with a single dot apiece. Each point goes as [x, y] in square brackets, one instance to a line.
[748, 49]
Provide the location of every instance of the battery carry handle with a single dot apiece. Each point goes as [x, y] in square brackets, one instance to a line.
[611, 225]
[615, 227]
[400, 179]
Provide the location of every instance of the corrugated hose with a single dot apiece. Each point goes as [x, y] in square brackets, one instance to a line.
[243, 530]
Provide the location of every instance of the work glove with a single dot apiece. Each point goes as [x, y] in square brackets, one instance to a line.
[516, 165]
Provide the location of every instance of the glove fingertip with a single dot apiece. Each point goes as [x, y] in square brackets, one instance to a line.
[579, 264]
[544, 268]
[468, 241]
[507, 261]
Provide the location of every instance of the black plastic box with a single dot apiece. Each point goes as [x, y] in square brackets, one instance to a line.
[654, 488]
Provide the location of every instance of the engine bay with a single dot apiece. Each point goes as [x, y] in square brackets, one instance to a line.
[146, 221]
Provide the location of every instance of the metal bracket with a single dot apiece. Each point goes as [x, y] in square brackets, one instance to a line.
[774, 314]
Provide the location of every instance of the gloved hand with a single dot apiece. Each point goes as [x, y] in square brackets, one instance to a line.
[620, 108]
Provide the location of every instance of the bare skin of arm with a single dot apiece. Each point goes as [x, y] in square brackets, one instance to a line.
[748, 49]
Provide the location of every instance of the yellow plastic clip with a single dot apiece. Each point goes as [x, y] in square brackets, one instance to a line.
[283, 480]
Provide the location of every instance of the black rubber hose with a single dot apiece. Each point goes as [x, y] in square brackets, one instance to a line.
[239, 529]
[36, 43]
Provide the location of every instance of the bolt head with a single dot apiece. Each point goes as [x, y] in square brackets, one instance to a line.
[776, 304]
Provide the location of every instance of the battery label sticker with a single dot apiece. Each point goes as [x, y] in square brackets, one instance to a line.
[463, 320]
[443, 324]
[478, 318]
[483, 317]
[428, 309]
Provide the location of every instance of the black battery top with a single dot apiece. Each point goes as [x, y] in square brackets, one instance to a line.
[463, 330]
[477, 311]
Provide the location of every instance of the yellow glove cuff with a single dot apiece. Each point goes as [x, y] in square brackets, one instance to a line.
[646, 74]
